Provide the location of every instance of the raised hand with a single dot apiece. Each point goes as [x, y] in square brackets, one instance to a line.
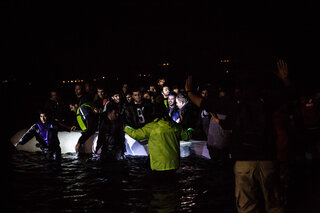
[282, 69]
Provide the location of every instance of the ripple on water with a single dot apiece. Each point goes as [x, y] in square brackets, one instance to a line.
[82, 184]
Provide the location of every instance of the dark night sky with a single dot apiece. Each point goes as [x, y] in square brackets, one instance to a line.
[69, 39]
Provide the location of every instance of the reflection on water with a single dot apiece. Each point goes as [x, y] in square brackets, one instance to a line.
[81, 185]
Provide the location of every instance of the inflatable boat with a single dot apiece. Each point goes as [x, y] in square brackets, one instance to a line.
[68, 142]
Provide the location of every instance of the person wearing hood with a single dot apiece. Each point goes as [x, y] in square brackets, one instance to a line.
[164, 136]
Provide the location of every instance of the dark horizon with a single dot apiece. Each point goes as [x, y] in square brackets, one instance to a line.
[72, 40]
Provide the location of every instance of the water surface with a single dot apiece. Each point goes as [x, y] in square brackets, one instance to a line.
[83, 184]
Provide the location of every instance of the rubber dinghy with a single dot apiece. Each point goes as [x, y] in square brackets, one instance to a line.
[68, 142]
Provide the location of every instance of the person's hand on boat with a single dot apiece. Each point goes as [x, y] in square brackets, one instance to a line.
[77, 147]
[73, 128]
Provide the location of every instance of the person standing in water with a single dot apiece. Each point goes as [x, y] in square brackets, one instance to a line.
[164, 136]
[47, 136]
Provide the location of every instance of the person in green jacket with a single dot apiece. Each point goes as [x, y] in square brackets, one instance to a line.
[164, 136]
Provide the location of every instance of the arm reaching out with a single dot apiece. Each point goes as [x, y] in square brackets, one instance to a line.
[188, 88]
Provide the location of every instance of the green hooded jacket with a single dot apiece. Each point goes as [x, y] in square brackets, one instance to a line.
[164, 138]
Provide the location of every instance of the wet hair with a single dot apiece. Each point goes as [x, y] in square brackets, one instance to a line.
[114, 91]
[42, 111]
[72, 101]
[135, 89]
[159, 112]
[173, 94]
[166, 85]
[181, 97]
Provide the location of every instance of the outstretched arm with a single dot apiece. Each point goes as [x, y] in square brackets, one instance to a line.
[28, 135]
[193, 97]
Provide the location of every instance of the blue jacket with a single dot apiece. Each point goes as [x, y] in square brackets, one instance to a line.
[45, 134]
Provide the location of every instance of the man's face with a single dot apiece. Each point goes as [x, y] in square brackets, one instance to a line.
[180, 104]
[124, 87]
[100, 93]
[129, 98]
[54, 96]
[152, 89]
[116, 98]
[43, 118]
[136, 97]
[165, 91]
[222, 93]
[146, 96]
[113, 115]
[171, 101]
[161, 82]
[78, 90]
[204, 93]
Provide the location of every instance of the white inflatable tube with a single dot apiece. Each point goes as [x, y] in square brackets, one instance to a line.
[68, 141]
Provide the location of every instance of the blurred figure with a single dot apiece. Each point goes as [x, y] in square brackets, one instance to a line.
[175, 89]
[257, 179]
[311, 126]
[56, 111]
[90, 91]
[160, 83]
[125, 88]
[47, 136]
[111, 135]
[204, 115]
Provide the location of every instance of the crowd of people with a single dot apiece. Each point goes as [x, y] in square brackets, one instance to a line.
[255, 125]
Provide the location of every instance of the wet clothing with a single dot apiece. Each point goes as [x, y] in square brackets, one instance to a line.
[83, 113]
[253, 146]
[111, 138]
[47, 136]
[87, 122]
[164, 138]
[252, 178]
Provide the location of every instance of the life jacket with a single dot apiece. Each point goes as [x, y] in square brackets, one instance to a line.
[79, 116]
[45, 132]
[165, 101]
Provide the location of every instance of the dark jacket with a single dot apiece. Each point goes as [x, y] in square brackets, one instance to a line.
[111, 135]
[250, 119]
[188, 116]
[46, 135]
[137, 115]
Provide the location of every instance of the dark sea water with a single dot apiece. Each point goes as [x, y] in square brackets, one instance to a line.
[81, 185]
